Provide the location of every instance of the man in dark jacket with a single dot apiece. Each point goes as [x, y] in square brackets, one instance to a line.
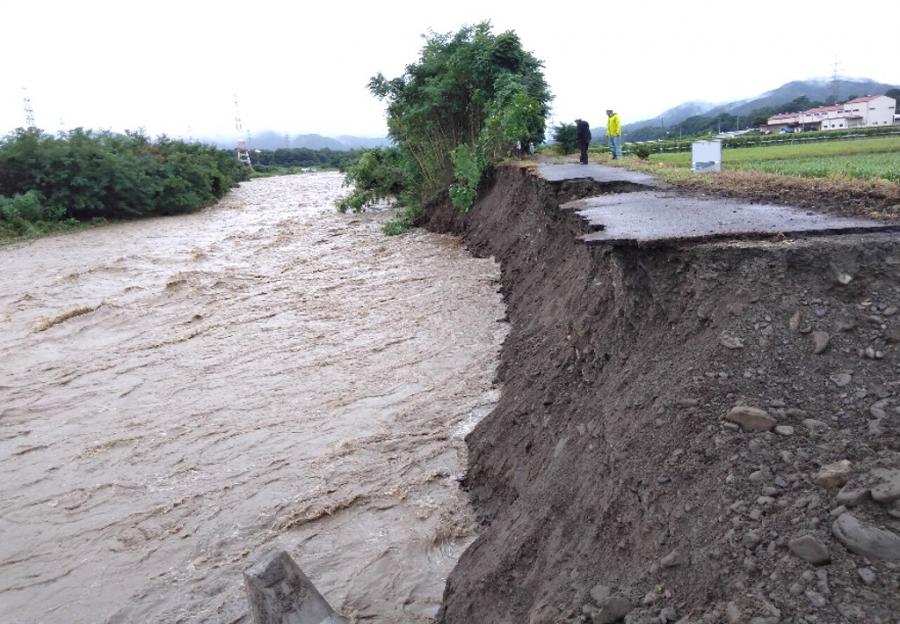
[583, 133]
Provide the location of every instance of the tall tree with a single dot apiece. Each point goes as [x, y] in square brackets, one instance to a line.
[468, 101]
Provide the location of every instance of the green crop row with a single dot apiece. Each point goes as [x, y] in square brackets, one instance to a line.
[867, 159]
[756, 139]
[880, 145]
[860, 166]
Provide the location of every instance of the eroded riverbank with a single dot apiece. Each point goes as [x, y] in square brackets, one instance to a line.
[619, 479]
[179, 393]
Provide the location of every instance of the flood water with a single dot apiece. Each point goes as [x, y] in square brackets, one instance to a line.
[178, 395]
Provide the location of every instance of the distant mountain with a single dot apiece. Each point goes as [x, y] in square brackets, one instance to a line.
[700, 114]
[819, 90]
[674, 115]
[271, 140]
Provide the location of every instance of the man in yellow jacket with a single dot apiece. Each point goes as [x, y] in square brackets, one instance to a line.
[614, 133]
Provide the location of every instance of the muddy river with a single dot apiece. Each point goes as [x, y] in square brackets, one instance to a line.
[178, 395]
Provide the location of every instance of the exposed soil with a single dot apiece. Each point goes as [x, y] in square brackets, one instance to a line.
[607, 482]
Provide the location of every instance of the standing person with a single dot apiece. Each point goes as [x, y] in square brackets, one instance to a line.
[614, 133]
[583, 134]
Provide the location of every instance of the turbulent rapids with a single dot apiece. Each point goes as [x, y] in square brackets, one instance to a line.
[177, 394]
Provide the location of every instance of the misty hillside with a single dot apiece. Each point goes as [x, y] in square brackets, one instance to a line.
[820, 90]
[674, 115]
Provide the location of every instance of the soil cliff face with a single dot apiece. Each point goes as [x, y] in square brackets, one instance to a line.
[616, 480]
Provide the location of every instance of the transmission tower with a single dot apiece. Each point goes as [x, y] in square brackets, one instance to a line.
[243, 154]
[29, 112]
[835, 87]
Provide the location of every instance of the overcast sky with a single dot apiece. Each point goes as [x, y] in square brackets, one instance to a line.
[298, 66]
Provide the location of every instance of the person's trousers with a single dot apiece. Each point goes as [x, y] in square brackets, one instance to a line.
[615, 146]
[584, 147]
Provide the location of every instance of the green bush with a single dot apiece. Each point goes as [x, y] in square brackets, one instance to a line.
[29, 206]
[566, 137]
[642, 151]
[468, 102]
[84, 175]
[377, 175]
[468, 168]
[26, 213]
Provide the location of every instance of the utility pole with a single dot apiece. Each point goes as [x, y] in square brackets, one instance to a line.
[240, 149]
[29, 112]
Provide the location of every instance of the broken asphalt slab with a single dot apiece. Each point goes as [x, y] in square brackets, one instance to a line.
[654, 217]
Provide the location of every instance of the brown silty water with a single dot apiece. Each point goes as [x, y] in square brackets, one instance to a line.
[178, 395]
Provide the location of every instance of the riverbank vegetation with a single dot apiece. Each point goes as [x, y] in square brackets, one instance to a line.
[51, 183]
[471, 100]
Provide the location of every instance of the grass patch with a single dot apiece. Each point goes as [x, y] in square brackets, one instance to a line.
[404, 221]
[860, 166]
[10, 233]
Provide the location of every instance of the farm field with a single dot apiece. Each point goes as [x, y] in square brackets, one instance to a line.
[864, 159]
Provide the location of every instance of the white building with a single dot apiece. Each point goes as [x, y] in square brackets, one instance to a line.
[862, 112]
[872, 110]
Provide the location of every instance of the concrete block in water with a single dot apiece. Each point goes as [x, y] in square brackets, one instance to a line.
[280, 593]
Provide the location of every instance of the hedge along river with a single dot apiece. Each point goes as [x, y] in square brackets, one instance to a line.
[178, 395]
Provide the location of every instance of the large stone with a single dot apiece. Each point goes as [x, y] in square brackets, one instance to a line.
[887, 489]
[841, 379]
[810, 549]
[600, 594]
[751, 418]
[832, 476]
[615, 610]
[280, 593]
[815, 426]
[671, 560]
[820, 341]
[850, 496]
[865, 540]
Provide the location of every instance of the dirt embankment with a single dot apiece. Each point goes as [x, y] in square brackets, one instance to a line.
[608, 483]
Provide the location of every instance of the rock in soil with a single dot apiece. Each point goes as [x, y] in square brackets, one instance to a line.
[615, 609]
[751, 418]
[866, 540]
[888, 489]
[820, 341]
[832, 476]
[810, 549]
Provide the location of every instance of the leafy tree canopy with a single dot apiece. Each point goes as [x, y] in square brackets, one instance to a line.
[468, 102]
